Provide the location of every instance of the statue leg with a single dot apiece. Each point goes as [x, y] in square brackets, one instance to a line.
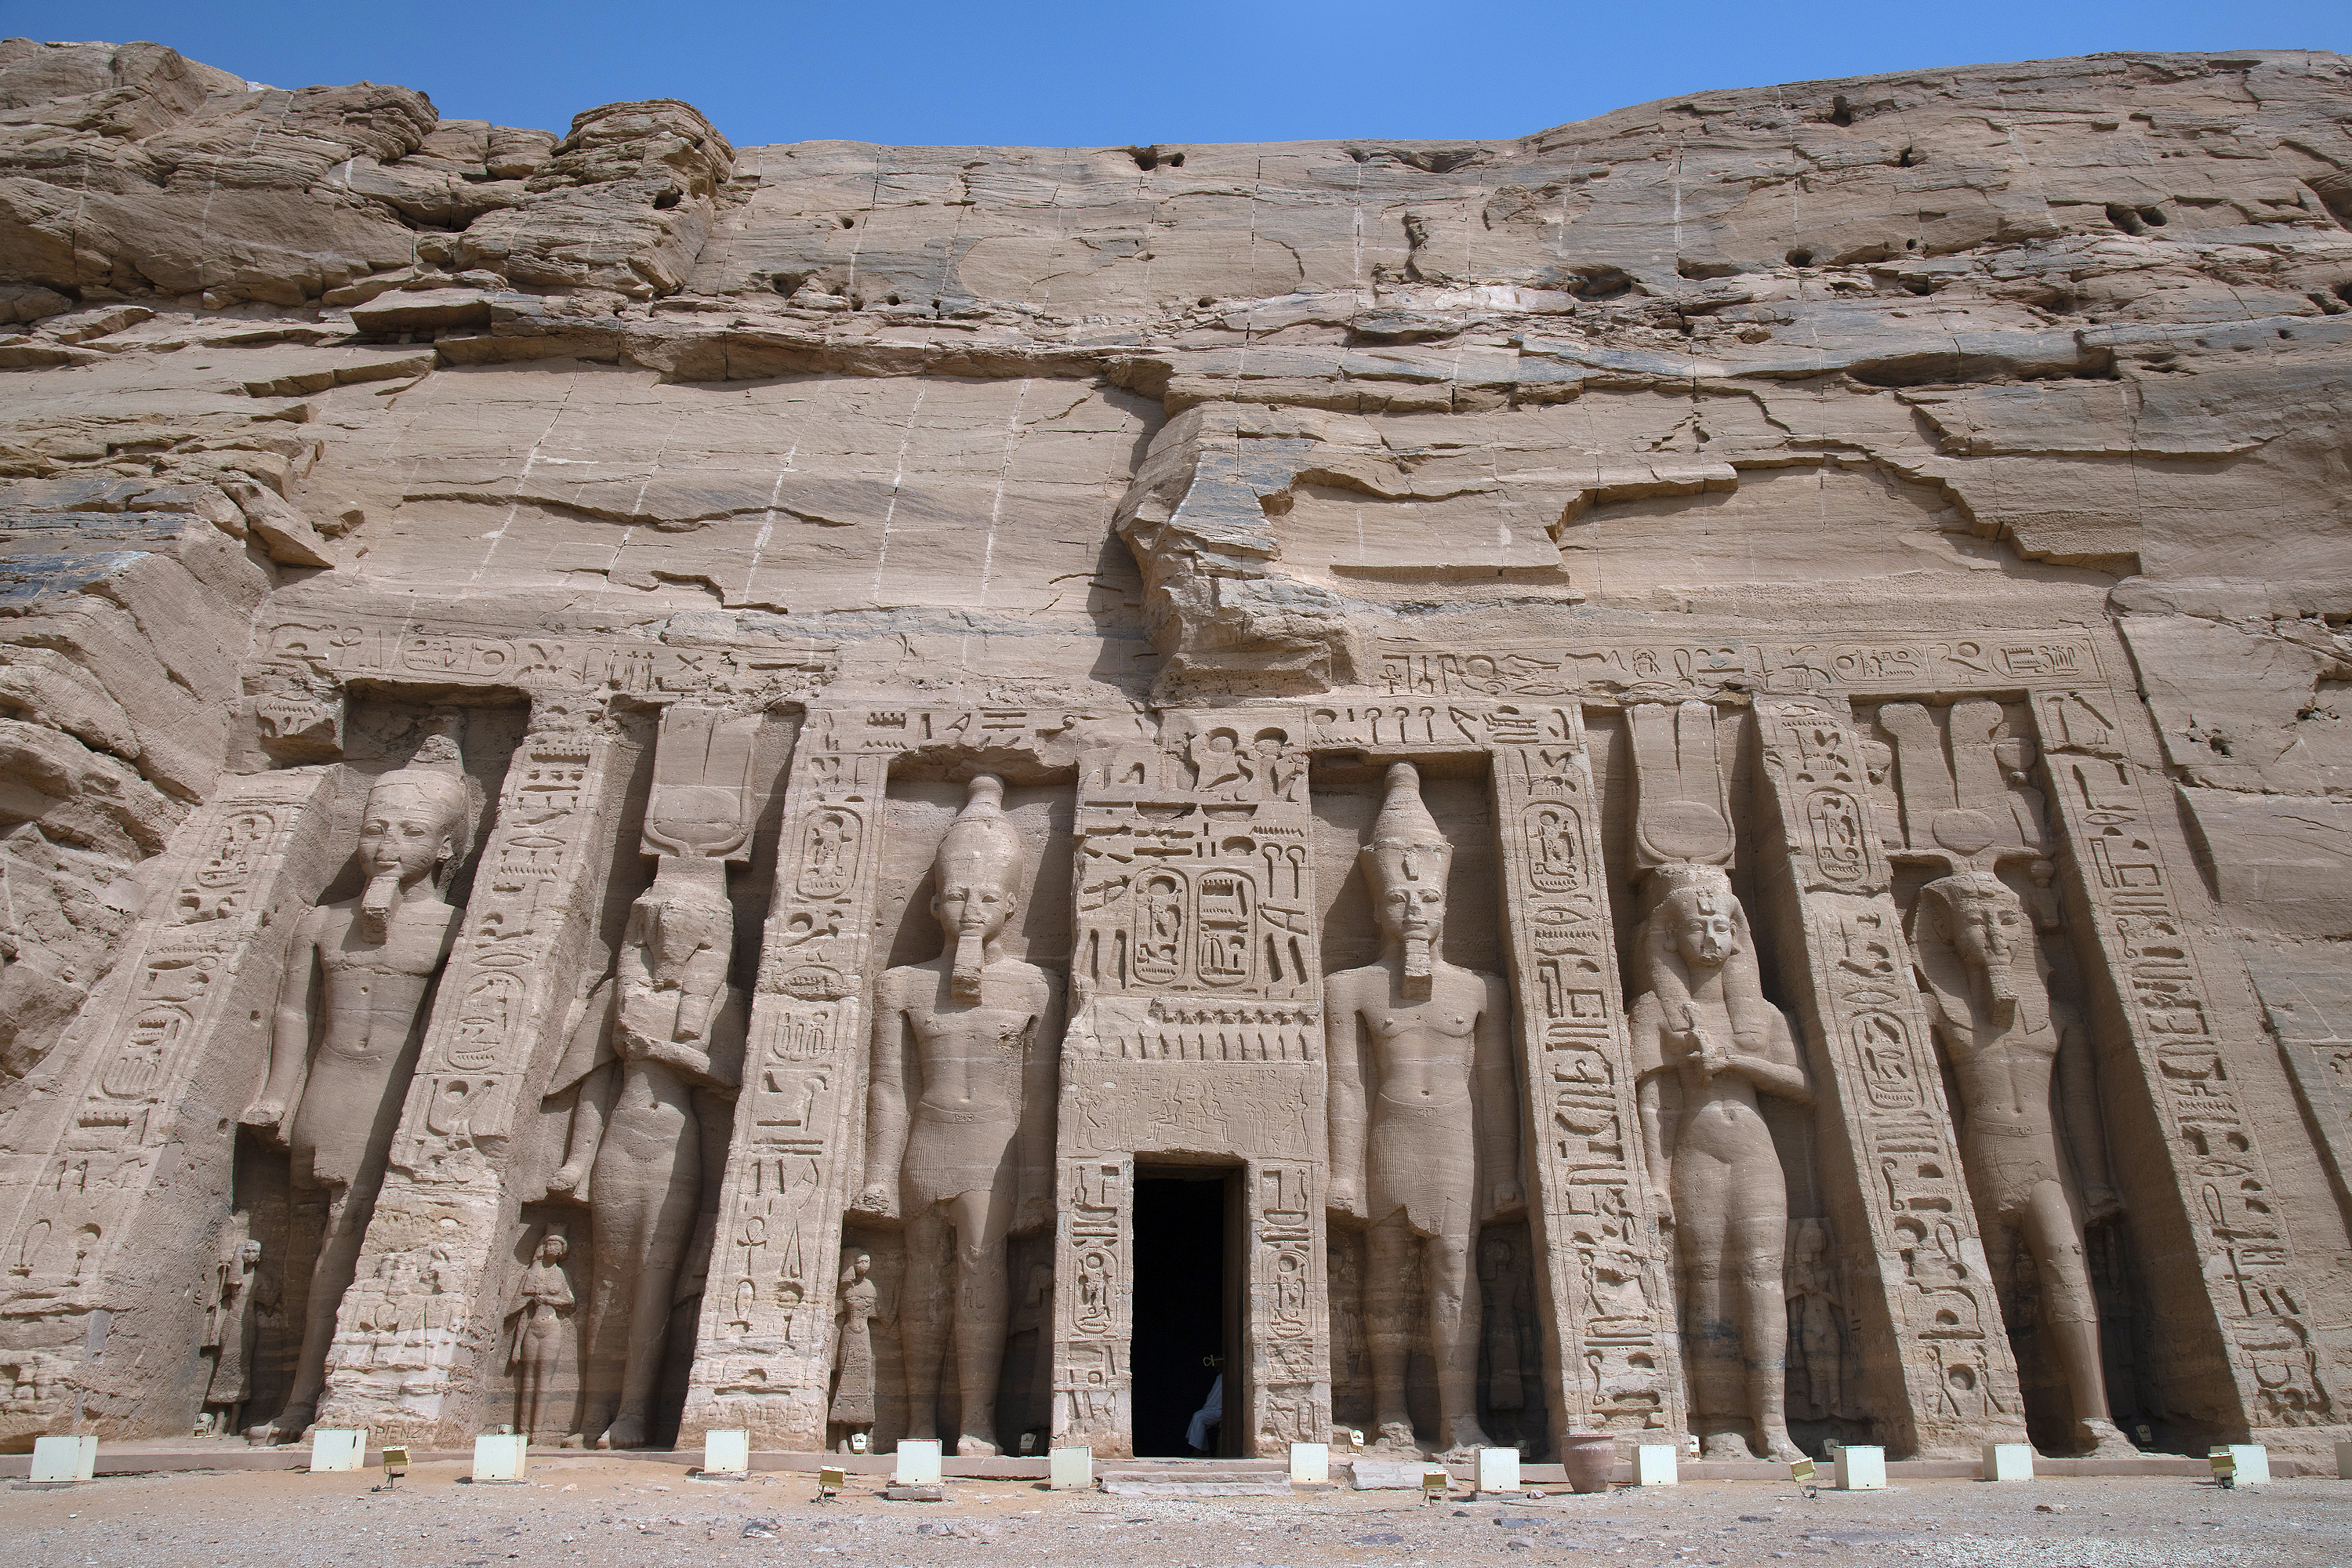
[1453, 1320]
[2072, 1312]
[339, 1260]
[923, 1313]
[668, 1191]
[609, 1293]
[528, 1384]
[982, 1308]
[1711, 1337]
[1758, 1241]
[1389, 1314]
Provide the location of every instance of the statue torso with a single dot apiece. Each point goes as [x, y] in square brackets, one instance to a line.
[971, 1056]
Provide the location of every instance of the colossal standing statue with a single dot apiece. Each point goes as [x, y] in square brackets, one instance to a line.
[1706, 1041]
[1435, 1152]
[637, 1155]
[543, 1313]
[347, 1031]
[971, 1040]
[1987, 996]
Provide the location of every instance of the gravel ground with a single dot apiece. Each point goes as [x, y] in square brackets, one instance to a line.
[606, 1513]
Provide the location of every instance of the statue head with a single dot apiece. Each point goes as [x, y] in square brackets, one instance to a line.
[1406, 863]
[859, 1265]
[248, 1252]
[978, 875]
[1985, 925]
[553, 1248]
[410, 829]
[685, 912]
[1701, 916]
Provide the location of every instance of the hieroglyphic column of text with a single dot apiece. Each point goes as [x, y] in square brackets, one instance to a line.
[1612, 1347]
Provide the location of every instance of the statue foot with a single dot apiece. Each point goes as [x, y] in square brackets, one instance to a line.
[1725, 1445]
[1779, 1445]
[286, 1426]
[573, 1440]
[1395, 1441]
[625, 1432]
[970, 1446]
[1468, 1438]
[2105, 1440]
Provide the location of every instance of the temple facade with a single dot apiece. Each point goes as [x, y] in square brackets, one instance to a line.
[1420, 848]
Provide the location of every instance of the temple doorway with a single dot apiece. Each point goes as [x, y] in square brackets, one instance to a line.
[1187, 1310]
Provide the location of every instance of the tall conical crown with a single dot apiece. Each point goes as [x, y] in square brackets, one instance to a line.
[981, 843]
[1403, 819]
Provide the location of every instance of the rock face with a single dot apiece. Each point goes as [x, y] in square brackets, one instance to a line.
[1679, 777]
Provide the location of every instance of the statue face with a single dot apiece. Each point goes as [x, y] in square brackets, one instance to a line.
[978, 903]
[1704, 932]
[684, 927]
[405, 832]
[1985, 924]
[1412, 880]
[250, 1253]
[552, 1251]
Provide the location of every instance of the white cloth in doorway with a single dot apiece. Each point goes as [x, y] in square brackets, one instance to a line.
[1213, 1414]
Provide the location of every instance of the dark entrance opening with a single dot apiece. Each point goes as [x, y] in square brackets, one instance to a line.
[1187, 1308]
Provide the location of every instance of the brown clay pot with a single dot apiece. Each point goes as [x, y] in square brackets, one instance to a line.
[1590, 1460]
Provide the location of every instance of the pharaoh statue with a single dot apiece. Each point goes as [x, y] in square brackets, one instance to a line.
[853, 1383]
[1988, 998]
[959, 1118]
[231, 1330]
[542, 1314]
[639, 1155]
[348, 1025]
[1706, 1043]
[1425, 1126]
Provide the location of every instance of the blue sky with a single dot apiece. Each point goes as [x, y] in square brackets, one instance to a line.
[1111, 74]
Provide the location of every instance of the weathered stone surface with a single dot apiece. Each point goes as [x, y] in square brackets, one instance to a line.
[1390, 771]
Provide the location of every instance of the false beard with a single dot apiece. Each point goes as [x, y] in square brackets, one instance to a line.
[971, 957]
[1416, 969]
[377, 903]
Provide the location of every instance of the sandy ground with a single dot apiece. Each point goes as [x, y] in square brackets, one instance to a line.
[591, 1513]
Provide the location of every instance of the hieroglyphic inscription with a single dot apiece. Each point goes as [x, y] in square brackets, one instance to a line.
[1093, 1285]
[390, 645]
[2251, 1272]
[1931, 1304]
[1290, 1350]
[1612, 1352]
[1703, 667]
